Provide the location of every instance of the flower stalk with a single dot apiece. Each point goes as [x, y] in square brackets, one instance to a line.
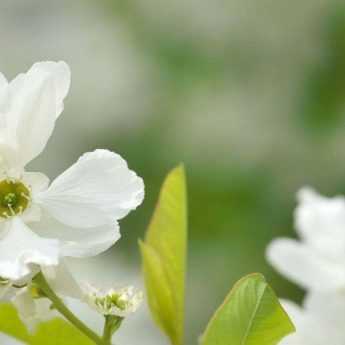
[59, 305]
[111, 325]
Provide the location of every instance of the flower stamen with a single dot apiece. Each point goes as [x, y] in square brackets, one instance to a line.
[14, 198]
[11, 209]
[27, 197]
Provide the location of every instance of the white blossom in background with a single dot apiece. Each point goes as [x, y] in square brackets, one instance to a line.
[118, 302]
[76, 215]
[319, 321]
[315, 261]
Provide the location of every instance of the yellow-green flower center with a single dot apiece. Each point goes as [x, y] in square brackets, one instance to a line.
[14, 198]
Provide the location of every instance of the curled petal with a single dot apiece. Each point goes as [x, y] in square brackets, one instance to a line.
[35, 100]
[77, 242]
[95, 191]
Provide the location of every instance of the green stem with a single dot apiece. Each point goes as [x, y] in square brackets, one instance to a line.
[111, 325]
[107, 332]
[58, 304]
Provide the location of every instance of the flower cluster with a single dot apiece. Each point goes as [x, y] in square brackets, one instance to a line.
[76, 215]
[117, 302]
[316, 262]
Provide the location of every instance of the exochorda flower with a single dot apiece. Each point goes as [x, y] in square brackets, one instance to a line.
[316, 261]
[33, 307]
[115, 302]
[76, 215]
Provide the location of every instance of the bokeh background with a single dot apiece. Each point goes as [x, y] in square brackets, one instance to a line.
[250, 95]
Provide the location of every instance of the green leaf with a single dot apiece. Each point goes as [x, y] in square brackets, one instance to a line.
[250, 315]
[11, 324]
[164, 257]
[53, 332]
[58, 332]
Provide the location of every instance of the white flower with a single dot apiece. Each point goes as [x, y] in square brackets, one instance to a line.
[77, 214]
[117, 302]
[319, 321]
[317, 260]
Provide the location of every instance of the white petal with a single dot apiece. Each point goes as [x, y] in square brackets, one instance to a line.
[3, 94]
[32, 311]
[295, 312]
[328, 306]
[304, 266]
[20, 248]
[323, 319]
[36, 100]
[99, 188]
[25, 305]
[61, 281]
[320, 221]
[76, 242]
[310, 329]
[36, 181]
[61, 74]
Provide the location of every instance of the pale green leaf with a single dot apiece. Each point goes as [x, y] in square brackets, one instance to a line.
[250, 315]
[162, 303]
[58, 332]
[53, 332]
[11, 324]
[164, 256]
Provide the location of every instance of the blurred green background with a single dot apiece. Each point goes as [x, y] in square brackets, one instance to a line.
[250, 95]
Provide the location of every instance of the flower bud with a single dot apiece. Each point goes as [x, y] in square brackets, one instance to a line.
[119, 302]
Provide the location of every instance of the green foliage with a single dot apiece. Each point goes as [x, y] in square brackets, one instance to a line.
[11, 324]
[250, 315]
[324, 101]
[53, 332]
[164, 257]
